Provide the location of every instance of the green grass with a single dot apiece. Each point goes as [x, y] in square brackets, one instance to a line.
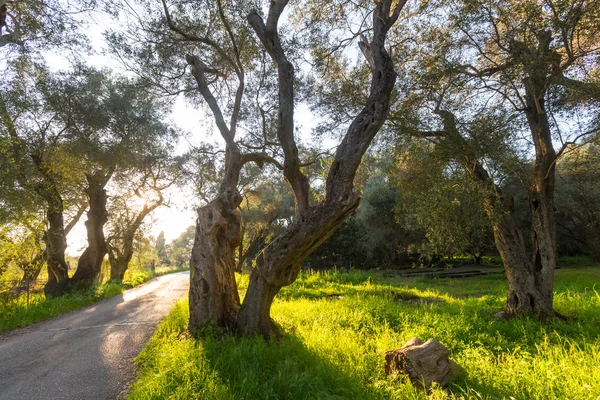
[338, 327]
[18, 313]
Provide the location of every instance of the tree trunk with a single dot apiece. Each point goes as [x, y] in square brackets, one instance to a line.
[528, 291]
[524, 294]
[423, 363]
[279, 263]
[255, 314]
[56, 244]
[90, 262]
[118, 263]
[119, 259]
[213, 294]
[55, 237]
[541, 200]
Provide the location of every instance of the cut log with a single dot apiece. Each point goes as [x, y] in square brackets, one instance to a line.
[423, 363]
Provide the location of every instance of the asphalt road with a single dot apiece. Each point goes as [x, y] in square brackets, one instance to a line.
[86, 354]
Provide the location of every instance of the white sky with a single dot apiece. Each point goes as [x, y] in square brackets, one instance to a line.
[180, 214]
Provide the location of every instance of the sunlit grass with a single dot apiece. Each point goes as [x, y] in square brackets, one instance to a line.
[22, 311]
[338, 327]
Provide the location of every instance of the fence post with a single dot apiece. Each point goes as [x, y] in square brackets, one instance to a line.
[28, 282]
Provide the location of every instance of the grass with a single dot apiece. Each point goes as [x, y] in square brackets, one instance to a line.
[18, 313]
[339, 325]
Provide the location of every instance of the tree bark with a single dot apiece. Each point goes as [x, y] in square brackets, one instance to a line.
[279, 263]
[524, 294]
[118, 262]
[90, 262]
[541, 198]
[56, 244]
[213, 294]
[40, 259]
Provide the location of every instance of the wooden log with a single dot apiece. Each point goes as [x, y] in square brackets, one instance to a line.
[423, 363]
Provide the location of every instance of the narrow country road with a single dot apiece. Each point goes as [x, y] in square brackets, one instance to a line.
[86, 354]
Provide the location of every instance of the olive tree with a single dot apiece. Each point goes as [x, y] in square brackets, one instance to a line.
[224, 47]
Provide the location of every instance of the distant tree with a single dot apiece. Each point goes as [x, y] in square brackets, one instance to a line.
[161, 247]
[578, 201]
[21, 247]
[267, 206]
[134, 137]
[437, 196]
[130, 210]
[179, 249]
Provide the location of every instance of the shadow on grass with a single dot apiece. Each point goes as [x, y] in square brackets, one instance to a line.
[253, 368]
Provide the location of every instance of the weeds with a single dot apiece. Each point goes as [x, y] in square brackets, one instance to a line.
[334, 345]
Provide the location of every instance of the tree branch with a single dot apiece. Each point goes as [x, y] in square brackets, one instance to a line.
[200, 39]
[260, 158]
[269, 37]
[199, 72]
[340, 180]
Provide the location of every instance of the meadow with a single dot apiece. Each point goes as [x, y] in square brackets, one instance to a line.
[338, 325]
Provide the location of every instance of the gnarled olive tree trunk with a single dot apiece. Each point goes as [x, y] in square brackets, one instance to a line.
[33, 271]
[55, 238]
[56, 244]
[526, 294]
[279, 263]
[90, 262]
[213, 294]
[541, 201]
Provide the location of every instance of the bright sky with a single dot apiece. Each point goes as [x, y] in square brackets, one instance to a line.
[180, 214]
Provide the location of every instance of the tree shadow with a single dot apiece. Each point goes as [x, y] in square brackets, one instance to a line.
[254, 368]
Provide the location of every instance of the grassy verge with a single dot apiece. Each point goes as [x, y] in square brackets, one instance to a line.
[18, 313]
[339, 326]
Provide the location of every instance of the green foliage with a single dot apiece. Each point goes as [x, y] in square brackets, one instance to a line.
[267, 208]
[578, 201]
[21, 247]
[179, 250]
[438, 197]
[373, 236]
[160, 246]
[18, 313]
[339, 326]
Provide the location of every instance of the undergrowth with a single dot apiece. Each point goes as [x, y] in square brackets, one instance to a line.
[338, 327]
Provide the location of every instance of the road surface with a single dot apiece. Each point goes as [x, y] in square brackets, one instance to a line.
[86, 354]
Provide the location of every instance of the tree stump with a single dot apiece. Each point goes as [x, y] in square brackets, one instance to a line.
[424, 363]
